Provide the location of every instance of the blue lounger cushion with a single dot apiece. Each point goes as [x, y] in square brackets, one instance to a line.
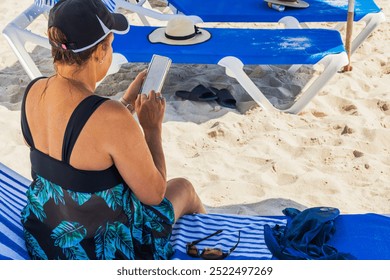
[251, 46]
[258, 11]
[365, 236]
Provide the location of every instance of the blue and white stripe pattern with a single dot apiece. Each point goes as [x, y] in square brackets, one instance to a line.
[251, 247]
[41, 3]
[13, 187]
[110, 4]
[12, 200]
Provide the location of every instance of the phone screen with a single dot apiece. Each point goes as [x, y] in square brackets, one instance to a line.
[157, 72]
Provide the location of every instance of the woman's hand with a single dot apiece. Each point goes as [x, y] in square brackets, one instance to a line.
[150, 110]
[134, 88]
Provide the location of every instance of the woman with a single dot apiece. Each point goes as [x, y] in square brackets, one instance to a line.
[99, 188]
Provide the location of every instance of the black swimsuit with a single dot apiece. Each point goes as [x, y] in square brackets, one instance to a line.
[80, 214]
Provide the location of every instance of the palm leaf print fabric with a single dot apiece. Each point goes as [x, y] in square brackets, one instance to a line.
[109, 224]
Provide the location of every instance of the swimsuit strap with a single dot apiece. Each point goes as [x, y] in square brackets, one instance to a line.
[77, 121]
[24, 123]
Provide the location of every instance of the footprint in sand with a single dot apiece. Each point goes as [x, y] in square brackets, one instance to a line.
[286, 179]
[347, 130]
[383, 106]
[352, 109]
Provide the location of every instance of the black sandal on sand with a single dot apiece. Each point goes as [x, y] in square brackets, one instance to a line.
[224, 98]
[198, 93]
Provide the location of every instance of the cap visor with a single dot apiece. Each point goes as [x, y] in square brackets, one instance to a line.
[121, 25]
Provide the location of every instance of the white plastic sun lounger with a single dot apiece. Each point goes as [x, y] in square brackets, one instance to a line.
[233, 48]
[319, 11]
[229, 47]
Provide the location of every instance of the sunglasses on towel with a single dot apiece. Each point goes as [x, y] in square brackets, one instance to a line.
[209, 253]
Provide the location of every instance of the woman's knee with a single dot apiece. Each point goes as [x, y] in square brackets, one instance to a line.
[182, 183]
[183, 188]
[182, 195]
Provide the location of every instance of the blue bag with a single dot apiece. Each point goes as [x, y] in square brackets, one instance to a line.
[305, 236]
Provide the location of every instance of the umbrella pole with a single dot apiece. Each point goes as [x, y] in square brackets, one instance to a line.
[351, 9]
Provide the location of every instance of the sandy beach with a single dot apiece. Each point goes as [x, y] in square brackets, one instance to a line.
[336, 152]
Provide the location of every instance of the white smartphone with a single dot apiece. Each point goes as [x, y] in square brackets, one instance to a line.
[156, 74]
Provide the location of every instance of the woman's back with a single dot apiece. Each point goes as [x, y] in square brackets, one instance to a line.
[49, 106]
[82, 214]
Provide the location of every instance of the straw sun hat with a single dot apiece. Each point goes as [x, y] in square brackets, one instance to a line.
[179, 31]
[289, 3]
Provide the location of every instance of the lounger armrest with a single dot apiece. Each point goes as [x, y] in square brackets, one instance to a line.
[23, 20]
[17, 35]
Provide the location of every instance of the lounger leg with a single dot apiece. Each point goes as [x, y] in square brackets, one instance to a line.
[372, 21]
[332, 64]
[234, 68]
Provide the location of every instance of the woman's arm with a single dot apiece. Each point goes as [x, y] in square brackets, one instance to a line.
[138, 157]
[150, 110]
[138, 153]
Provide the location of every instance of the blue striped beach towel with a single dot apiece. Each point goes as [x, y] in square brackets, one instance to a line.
[190, 227]
[12, 199]
[365, 236]
[251, 246]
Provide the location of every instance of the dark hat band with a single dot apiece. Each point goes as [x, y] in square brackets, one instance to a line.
[197, 31]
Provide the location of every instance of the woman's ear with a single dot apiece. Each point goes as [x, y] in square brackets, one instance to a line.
[104, 45]
[100, 53]
[103, 48]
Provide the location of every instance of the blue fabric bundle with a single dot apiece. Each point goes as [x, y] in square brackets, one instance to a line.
[305, 236]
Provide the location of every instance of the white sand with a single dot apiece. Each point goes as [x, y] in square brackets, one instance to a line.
[336, 152]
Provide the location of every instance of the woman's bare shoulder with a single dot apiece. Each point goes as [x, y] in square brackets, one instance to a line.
[113, 110]
[113, 117]
[115, 127]
[38, 84]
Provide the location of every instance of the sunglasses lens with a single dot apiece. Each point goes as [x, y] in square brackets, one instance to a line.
[212, 254]
[209, 253]
[192, 251]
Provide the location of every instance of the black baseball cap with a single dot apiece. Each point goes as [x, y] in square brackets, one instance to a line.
[85, 23]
